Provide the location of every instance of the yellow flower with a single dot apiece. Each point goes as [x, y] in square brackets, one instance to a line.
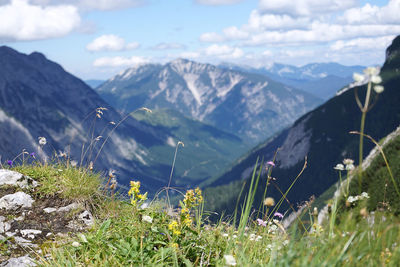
[174, 227]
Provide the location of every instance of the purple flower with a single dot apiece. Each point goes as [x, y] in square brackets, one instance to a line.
[261, 222]
[9, 162]
[271, 163]
[33, 155]
[278, 214]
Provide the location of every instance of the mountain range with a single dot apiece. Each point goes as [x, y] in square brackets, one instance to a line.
[249, 105]
[322, 80]
[38, 98]
[322, 136]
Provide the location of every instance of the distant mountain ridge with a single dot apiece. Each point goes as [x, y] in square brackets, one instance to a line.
[38, 98]
[322, 135]
[249, 105]
[319, 79]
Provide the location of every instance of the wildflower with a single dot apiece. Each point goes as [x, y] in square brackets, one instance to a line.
[339, 167]
[33, 155]
[134, 193]
[74, 163]
[62, 154]
[113, 183]
[378, 89]
[9, 162]
[75, 244]
[111, 173]
[278, 214]
[174, 227]
[364, 195]
[350, 167]
[42, 141]
[187, 221]
[91, 166]
[254, 237]
[348, 161]
[358, 77]
[147, 218]
[261, 222]
[112, 123]
[98, 138]
[230, 260]
[315, 211]
[269, 202]
[181, 143]
[271, 163]
[225, 235]
[352, 199]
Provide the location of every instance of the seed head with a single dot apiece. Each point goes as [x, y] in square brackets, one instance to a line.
[269, 202]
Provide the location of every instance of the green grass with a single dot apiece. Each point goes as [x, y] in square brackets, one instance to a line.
[121, 235]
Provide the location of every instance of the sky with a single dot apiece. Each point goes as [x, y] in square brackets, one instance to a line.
[96, 39]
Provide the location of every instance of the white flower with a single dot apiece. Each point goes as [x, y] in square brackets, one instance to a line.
[42, 141]
[376, 79]
[350, 167]
[378, 89]
[225, 235]
[358, 77]
[147, 218]
[352, 199]
[371, 71]
[230, 260]
[364, 195]
[348, 161]
[339, 167]
[74, 163]
[75, 244]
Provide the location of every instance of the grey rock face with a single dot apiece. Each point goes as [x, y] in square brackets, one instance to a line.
[249, 105]
[23, 261]
[16, 201]
[8, 177]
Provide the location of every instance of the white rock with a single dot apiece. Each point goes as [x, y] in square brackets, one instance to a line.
[49, 210]
[86, 217]
[16, 200]
[24, 242]
[23, 261]
[72, 206]
[8, 177]
[4, 226]
[30, 233]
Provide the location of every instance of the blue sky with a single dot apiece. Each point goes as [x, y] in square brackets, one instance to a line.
[99, 38]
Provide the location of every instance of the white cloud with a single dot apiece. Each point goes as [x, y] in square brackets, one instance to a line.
[372, 44]
[93, 4]
[22, 21]
[110, 42]
[322, 33]
[233, 33]
[223, 51]
[305, 7]
[119, 61]
[217, 2]
[211, 37]
[258, 22]
[168, 46]
[370, 14]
